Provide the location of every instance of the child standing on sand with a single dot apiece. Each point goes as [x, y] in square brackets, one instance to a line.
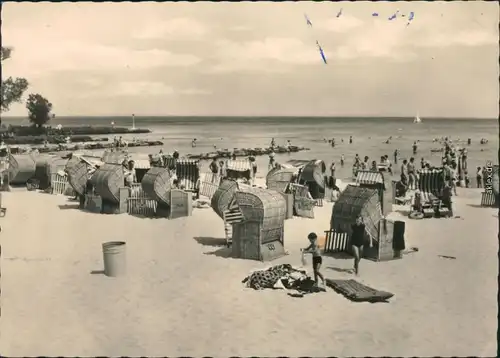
[317, 260]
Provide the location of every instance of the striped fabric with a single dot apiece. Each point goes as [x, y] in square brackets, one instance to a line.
[232, 216]
[142, 164]
[369, 177]
[488, 199]
[188, 173]
[170, 162]
[297, 163]
[430, 183]
[239, 165]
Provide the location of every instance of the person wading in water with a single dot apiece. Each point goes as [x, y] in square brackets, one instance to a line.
[317, 260]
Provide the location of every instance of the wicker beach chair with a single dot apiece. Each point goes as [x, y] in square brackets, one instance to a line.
[431, 184]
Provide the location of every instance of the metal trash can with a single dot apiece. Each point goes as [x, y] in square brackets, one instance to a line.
[114, 255]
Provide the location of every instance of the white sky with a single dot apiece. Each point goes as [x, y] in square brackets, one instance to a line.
[257, 58]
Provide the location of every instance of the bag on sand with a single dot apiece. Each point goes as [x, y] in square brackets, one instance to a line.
[303, 259]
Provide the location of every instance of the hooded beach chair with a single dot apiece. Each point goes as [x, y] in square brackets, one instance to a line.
[431, 184]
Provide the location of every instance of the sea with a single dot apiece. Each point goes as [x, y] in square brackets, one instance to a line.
[369, 136]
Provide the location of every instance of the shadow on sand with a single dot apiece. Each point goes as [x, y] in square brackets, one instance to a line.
[224, 252]
[68, 206]
[142, 216]
[339, 255]
[97, 272]
[479, 206]
[342, 270]
[211, 241]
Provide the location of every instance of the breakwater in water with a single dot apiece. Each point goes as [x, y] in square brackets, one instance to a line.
[21, 131]
[246, 152]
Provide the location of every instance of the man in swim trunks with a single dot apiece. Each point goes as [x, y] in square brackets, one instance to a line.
[411, 174]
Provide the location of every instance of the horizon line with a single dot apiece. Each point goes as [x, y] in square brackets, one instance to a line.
[257, 117]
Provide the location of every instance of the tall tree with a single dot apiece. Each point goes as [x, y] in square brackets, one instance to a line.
[39, 109]
[12, 88]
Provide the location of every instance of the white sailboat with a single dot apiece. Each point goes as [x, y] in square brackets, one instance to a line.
[417, 119]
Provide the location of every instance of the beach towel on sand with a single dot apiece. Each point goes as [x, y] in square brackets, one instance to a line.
[357, 292]
[284, 274]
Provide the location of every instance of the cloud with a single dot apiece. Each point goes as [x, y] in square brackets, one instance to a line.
[176, 29]
[137, 89]
[262, 55]
[461, 38]
[37, 57]
[380, 40]
[143, 88]
[340, 24]
[194, 92]
[240, 28]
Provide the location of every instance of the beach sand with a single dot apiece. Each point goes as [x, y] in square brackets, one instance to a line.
[184, 296]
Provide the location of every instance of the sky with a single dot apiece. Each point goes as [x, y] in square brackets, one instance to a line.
[257, 59]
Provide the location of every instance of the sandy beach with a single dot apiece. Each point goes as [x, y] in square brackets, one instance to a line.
[401, 98]
[184, 296]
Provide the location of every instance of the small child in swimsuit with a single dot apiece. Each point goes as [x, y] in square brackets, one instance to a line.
[317, 260]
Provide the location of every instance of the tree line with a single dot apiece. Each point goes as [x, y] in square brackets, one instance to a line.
[12, 90]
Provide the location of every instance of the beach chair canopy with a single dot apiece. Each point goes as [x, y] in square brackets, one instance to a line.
[431, 183]
[261, 205]
[239, 165]
[354, 201]
[369, 177]
[279, 179]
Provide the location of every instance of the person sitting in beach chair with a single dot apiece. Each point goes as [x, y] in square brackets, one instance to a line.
[401, 189]
[417, 204]
[129, 174]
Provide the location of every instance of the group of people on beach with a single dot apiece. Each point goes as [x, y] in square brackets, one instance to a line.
[357, 241]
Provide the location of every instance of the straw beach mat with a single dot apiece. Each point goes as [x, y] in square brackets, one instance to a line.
[280, 179]
[156, 184]
[78, 174]
[21, 168]
[107, 181]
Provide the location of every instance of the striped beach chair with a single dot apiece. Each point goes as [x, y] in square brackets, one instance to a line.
[239, 168]
[188, 173]
[431, 184]
[488, 199]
